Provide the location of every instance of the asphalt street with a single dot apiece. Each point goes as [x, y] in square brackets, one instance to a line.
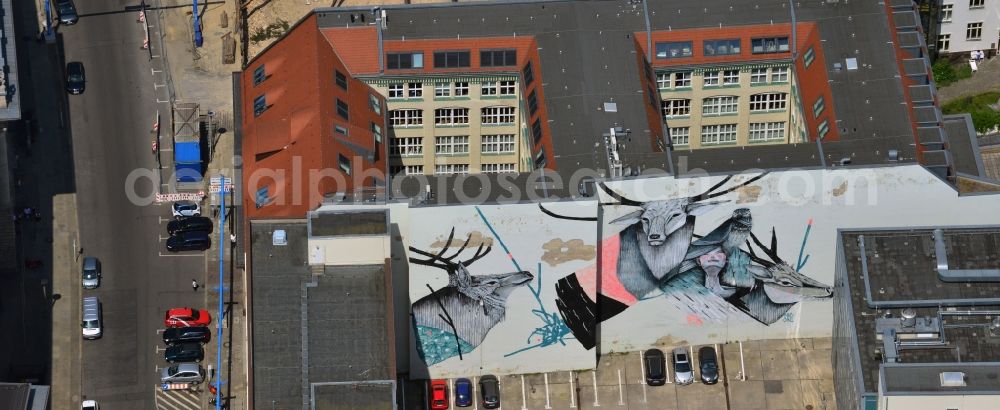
[109, 129]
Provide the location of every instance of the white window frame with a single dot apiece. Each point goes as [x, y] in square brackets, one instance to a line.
[406, 169]
[461, 89]
[946, 10]
[500, 115]
[720, 105]
[974, 27]
[676, 107]
[822, 129]
[406, 146]
[682, 79]
[765, 102]
[731, 77]
[497, 144]
[663, 81]
[489, 88]
[397, 90]
[498, 168]
[414, 90]
[758, 76]
[442, 89]
[977, 4]
[819, 106]
[767, 131]
[779, 75]
[451, 169]
[508, 87]
[710, 79]
[406, 117]
[451, 116]
[451, 145]
[944, 41]
[720, 134]
[680, 135]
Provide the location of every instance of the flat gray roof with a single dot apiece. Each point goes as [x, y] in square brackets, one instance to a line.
[982, 378]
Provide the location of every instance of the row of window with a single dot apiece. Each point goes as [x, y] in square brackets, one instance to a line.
[448, 169]
[414, 117]
[973, 31]
[455, 89]
[726, 133]
[451, 59]
[720, 47]
[758, 76]
[727, 104]
[451, 145]
[947, 9]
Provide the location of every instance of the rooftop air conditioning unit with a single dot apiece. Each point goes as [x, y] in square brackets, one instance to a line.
[279, 238]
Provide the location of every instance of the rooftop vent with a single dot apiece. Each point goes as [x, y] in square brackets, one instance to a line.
[279, 238]
[610, 107]
[909, 317]
[852, 64]
[893, 155]
[952, 379]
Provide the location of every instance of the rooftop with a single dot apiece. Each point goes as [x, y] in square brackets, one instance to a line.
[978, 377]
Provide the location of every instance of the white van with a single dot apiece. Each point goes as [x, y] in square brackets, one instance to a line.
[92, 326]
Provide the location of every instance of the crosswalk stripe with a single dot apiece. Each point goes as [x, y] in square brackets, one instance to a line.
[191, 398]
[177, 400]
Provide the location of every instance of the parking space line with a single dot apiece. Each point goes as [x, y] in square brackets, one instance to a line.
[594, 374]
[475, 384]
[451, 388]
[500, 389]
[691, 361]
[572, 392]
[547, 404]
[621, 392]
[524, 396]
[180, 254]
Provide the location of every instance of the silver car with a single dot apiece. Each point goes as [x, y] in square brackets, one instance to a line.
[183, 373]
[186, 208]
[682, 367]
[91, 272]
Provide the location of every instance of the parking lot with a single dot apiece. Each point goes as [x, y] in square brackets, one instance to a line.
[779, 374]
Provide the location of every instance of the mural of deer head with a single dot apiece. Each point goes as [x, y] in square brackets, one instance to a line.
[469, 306]
[781, 282]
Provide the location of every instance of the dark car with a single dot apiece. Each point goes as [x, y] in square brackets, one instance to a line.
[192, 224]
[489, 389]
[184, 352]
[76, 79]
[178, 335]
[189, 241]
[656, 367]
[709, 365]
[67, 12]
[463, 393]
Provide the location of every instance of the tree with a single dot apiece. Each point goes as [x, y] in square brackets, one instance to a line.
[944, 74]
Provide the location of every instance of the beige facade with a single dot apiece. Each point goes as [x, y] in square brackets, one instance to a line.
[734, 105]
[455, 125]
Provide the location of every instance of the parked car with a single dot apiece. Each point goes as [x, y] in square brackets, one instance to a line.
[91, 324]
[439, 395]
[463, 392]
[656, 367]
[91, 272]
[178, 335]
[89, 405]
[184, 352]
[682, 367]
[186, 317]
[709, 365]
[76, 78]
[189, 241]
[192, 224]
[186, 208]
[182, 373]
[67, 12]
[489, 390]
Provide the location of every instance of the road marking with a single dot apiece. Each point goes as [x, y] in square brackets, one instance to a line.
[547, 404]
[155, 86]
[524, 397]
[162, 219]
[158, 349]
[162, 238]
[176, 399]
[451, 388]
[594, 374]
[159, 101]
[642, 369]
[500, 389]
[475, 383]
[159, 331]
[181, 254]
[621, 392]
[572, 391]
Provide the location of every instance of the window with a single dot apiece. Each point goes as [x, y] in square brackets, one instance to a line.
[680, 135]
[767, 131]
[461, 89]
[414, 90]
[779, 75]
[396, 91]
[406, 169]
[822, 129]
[508, 87]
[722, 47]
[340, 129]
[451, 145]
[451, 116]
[377, 132]
[718, 134]
[532, 103]
[345, 164]
[676, 107]
[489, 89]
[341, 79]
[808, 57]
[768, 101]
[497, 58]
[262, 197]
[259, 105]
[406, 146]
[758, 76]
[497, 168]
[451, 59]
[663, 81]
[446, 169]
[528, 74]
[259, 75]
[818, 107]
[710, 78]
[498, 115]
[977, 4]
[497, 144]
[720, 105]
[674, 49]
[682, 79]
[974, 31]
[536, 131]
[401, 61]
[375, 103]
[944, 42]
[342, 109]
[769, 45]
[946, 12]
[730, 77]
[442, 89]
[407, 117]
[540, 159]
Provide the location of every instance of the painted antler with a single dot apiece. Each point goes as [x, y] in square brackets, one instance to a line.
[709, 194]
[621, 199]
[771, 252]
[447, 263]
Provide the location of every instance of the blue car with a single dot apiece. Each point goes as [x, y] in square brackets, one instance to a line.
[463, 393]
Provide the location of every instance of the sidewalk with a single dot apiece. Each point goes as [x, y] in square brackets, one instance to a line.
[984, 80]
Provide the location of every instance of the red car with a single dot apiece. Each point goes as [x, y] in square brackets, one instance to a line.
[187, 317]
[439, 395]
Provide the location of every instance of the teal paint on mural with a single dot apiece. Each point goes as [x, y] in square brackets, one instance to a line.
[438, 345]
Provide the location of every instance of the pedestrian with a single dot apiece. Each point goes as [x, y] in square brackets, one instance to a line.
[194, 285]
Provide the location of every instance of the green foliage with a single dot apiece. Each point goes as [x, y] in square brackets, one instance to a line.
[945, 73]
[273, 30]
[984, 117]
